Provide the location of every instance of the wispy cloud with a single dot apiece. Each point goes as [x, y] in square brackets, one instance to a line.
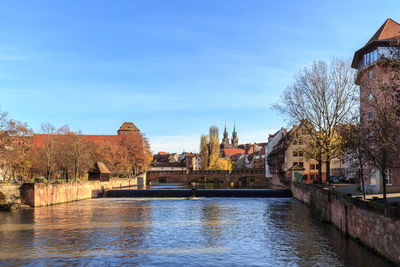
[22, 57]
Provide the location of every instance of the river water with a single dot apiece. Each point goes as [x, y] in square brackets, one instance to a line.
[176, 232]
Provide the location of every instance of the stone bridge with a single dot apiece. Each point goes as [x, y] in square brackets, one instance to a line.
[237, 177]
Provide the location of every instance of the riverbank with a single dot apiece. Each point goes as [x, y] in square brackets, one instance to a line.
[10, 196]
[374, 224]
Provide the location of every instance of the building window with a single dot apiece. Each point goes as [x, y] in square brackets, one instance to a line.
[304, 131]
[295, 154]
[300, 153]
[300, 141]
[312, 176]
[372, 179]
[312, 166]
[370, 74]
[371, 133]
[301, 164]
[370, 95]
[389, 180]
[370, 115]
[295, 142]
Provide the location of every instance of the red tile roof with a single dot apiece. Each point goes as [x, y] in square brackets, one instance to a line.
[39, 139]
[228, 152]
[388, 31]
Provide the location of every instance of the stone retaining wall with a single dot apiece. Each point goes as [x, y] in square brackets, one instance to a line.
[9, 196]
[45, 194]
[374, 224]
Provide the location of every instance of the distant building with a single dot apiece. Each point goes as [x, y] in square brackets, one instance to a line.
[189, 159]
[229, 143]
[229, 152]
[99, 172]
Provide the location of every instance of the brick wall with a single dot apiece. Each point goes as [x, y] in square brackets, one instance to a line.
[374, 224]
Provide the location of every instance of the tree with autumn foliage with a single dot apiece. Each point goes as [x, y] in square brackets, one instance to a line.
[209, 149]
[15, 148]
[222, 164]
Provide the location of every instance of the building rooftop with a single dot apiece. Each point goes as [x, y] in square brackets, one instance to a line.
[386, 34]
[128, 126]
[99, 167]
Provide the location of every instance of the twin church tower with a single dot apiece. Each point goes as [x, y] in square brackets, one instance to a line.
[234, 141]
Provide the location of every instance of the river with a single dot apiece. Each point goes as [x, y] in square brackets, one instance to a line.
[176, 232]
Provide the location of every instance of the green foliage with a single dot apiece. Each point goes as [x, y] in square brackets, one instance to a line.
[40, 180]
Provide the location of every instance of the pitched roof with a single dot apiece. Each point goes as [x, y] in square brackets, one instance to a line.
[388, 32]
[128, 126]
[99, 167]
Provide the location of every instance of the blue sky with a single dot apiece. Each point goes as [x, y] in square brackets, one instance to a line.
[172, 67]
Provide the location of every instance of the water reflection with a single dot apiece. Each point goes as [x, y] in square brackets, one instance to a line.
[206, 232]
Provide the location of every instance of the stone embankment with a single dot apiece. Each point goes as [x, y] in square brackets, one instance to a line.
[10, 196]
[374, 224]
[45, 194]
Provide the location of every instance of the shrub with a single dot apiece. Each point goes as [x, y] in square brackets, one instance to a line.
[40, 180]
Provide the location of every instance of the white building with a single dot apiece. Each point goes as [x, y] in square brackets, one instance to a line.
[272, 142]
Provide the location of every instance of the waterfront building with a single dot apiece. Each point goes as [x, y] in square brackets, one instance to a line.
[273, 140]
[287, 161]
[376, 62]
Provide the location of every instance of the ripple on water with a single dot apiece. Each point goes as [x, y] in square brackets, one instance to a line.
[206, 232]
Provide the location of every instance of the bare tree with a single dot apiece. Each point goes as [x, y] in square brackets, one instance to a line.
[353, 147]
[325, 96]
[63, 155]
[48, 150]
[79, 149]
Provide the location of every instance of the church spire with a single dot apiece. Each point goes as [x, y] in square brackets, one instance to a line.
[235, 140]
[225, 139]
